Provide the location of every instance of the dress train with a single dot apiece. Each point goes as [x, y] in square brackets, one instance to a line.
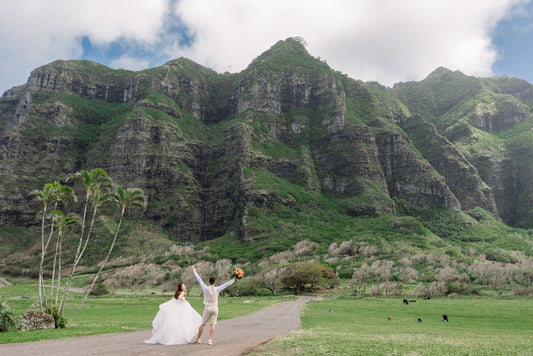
[176, 323]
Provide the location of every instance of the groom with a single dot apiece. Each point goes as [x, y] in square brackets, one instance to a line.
[210, 304]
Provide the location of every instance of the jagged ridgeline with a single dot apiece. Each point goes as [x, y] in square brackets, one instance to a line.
[287, 149]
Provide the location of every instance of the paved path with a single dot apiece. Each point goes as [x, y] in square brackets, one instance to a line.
[233, 337]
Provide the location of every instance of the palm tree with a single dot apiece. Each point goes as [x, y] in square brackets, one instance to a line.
[63, 193]
[52, 193]
[96, 183]
[63, 222]
[124, 198]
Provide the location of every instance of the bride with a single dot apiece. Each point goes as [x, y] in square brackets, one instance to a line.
[176, 322]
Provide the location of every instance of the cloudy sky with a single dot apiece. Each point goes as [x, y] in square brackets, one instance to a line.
[373, 40]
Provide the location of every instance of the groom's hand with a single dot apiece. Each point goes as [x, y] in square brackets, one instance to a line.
[193, 268]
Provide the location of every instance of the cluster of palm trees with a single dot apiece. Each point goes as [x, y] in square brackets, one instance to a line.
[99, 190]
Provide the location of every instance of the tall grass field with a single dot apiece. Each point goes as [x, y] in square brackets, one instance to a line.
[362, 327]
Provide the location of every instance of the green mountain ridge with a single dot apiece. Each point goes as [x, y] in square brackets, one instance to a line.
[286, 150]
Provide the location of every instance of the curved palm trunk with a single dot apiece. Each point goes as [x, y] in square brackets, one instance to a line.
[100, 269]
[54, 273]
[60, 253]
[41, 264]
[91, 225]
[76, 261]
[41, 267]
[54, 263]
[79, 255]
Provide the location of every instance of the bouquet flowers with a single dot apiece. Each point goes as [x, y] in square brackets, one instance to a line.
[239, 273]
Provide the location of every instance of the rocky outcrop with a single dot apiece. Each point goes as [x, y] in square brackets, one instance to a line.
[167, 109]
[438, 93]
[34, 320]
[86, 79]
[411, 178]
[493, 166]
[275, 93]
[459, 174]
[341, 157]
[501, 114]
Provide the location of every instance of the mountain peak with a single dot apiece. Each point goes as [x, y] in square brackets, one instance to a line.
[186, 64]
[293, 44]
[442, 72]
[288, 53]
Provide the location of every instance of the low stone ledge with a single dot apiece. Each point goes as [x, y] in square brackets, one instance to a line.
[34, 320]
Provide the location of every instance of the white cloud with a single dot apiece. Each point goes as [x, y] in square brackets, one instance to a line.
[383, 40]
[131, 63]
[35, 32]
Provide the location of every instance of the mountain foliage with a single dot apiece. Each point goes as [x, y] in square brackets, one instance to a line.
[247, 164]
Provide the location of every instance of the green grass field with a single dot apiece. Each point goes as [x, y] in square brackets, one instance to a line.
[362, 327]
[101, 315]
[342, 326]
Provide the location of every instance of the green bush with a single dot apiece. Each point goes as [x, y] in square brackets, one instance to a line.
[345, 272]
[301, 276]
[307, 276]
[452, 288]
[8, 321]
[248, 287]
[53, 311]
[522, 291]
[498, 255]
[328, 277]
[466, 289]
[99, 289]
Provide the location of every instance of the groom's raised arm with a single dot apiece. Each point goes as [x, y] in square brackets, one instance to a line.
[202, 284]
[221, 287]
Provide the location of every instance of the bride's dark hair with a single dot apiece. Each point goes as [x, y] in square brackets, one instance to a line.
[179, 291]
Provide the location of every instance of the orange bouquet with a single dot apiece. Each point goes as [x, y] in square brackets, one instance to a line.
[239, 273]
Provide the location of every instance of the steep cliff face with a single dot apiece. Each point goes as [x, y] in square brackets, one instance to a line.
[460, 175]
[208, 148]
[87, 79]
[497, 114]
[489, 124]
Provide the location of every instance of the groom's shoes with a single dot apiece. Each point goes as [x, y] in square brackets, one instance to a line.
[209, 342]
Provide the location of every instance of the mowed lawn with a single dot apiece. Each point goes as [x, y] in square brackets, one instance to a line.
[102, 315]
[362, 327]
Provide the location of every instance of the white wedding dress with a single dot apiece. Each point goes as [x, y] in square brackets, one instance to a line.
[176, 323]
